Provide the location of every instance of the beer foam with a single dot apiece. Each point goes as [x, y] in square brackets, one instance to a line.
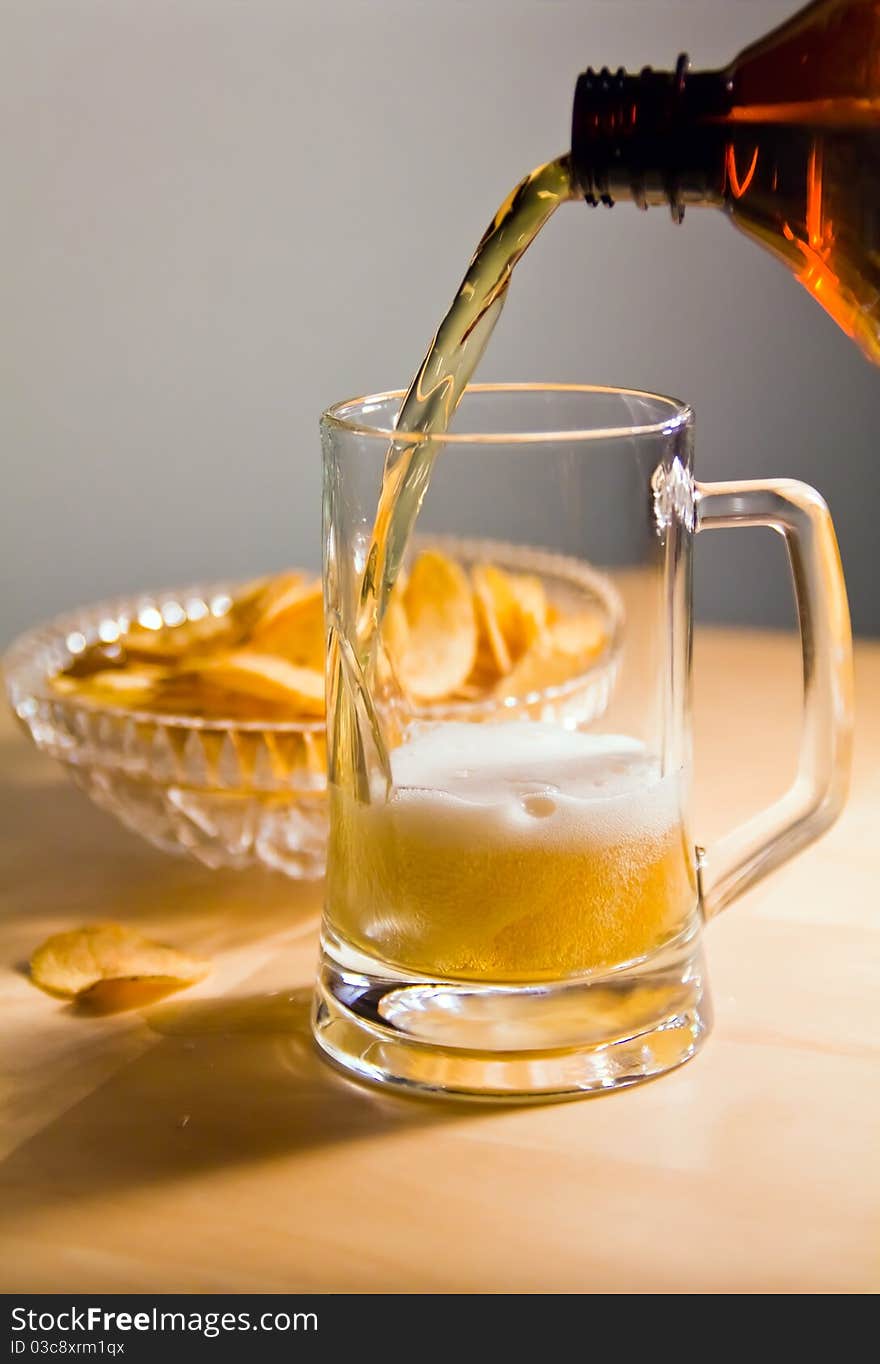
[532, 781]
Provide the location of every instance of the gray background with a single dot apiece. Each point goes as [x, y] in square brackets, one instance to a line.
[221, 215]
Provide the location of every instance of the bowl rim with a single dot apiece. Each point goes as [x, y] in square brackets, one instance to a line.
[19, 654]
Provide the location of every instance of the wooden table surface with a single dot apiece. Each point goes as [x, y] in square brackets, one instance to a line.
[205, 1146]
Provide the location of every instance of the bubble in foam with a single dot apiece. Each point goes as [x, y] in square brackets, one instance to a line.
[540, 804]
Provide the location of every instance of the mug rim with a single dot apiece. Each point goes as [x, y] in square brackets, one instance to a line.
[338, 417]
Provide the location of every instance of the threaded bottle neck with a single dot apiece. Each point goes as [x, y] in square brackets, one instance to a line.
[653, 137]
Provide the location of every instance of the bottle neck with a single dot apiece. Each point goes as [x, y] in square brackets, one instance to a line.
[653, 138]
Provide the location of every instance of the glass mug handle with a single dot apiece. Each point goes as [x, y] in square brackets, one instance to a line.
[815, 797]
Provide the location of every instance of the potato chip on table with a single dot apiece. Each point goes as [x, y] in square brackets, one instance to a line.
[84, 963]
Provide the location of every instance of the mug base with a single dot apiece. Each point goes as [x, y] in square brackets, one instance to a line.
[512, 1043]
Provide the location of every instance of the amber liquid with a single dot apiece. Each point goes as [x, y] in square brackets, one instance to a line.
[358, 752]
[811, 195]
[439, 382]
[800, 157]
[499, 875]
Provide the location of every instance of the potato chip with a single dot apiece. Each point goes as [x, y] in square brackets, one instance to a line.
[470, 691]
[483, 675]
[68, 963]
[284, 597]
[159, 643]
[194, 638]
[395, 626]
[442, 640]
[539, 668]
[566, 648]
[581, 636]
[130, 688]
[295, 628]
[395, 637]
[488, 601]
[268, 677]
[530, 617]
[172, 643]
[519, 606]
[128, 992]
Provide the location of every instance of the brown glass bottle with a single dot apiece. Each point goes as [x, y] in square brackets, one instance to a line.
[786, 140]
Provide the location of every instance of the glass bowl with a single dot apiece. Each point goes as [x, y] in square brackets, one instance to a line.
[234, 793]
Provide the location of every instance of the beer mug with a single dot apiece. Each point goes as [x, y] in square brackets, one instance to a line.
[515, 894]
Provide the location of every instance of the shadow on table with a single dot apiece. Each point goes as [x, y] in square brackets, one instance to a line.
[226, 1082]
[64, 862]
[214, 1082]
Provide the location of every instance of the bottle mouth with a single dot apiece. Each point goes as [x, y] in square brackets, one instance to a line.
[633, 136]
